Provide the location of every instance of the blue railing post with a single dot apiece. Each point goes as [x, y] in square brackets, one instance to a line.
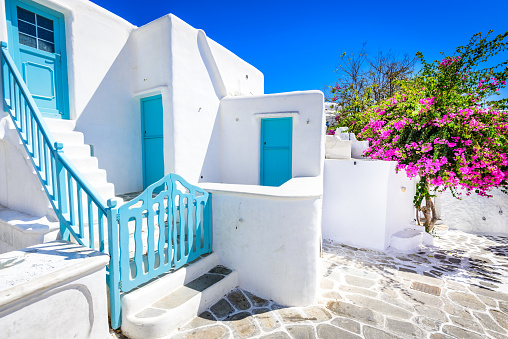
[61, 189]
[208, 221]
[3, 71]
[114, 264]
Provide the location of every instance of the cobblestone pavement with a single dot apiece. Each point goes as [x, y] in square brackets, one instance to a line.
[368, 294]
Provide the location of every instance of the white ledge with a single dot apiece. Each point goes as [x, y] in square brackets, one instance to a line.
[296, 188]
[38, 268]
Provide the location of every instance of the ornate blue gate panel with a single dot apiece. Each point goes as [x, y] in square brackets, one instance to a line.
[163, 231]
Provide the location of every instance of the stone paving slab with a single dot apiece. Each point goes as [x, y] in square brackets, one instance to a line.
[367, 294]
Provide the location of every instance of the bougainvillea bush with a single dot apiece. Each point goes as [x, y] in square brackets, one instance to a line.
[446, 125]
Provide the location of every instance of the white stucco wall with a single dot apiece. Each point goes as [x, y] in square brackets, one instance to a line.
[271, 236]
[94, 38]
[112, 64]
[363, 204]
[475, 213]
[100, 86]
[20, 188]
[196, 93]
[241, 129]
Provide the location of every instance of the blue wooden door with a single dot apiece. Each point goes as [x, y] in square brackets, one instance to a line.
[37, 44]
[153, 140]
[276, 148]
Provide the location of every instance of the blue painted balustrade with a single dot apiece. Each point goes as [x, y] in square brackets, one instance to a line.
[81, 211]
[177, 222]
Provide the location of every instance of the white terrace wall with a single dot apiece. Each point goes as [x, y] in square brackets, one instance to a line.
[271, 236]
[241, 129]
[475, 213]
[365, 202]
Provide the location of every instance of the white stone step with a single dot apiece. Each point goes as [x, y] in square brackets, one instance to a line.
[95, 175]
[85, 164]
[162, 306]
[60, 124]
[410, 239]
[69, 138]
[77, 151]
[19, 230]
[106, 191]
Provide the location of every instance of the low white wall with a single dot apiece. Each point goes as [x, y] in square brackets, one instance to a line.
[363, 204]
[271, 236]
[37, 285]
[241, 130]
[475, 213]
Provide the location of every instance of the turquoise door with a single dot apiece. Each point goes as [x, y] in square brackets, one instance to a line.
[153, 140]
[37, 45]
[276, 148]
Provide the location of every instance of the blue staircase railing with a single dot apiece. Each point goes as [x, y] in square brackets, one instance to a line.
[180, 213]
[78, 206]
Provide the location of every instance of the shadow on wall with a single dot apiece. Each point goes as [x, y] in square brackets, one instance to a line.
[111, 122]
[210, 170]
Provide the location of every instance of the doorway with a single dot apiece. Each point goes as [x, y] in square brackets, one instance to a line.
[276, 151]
[153, 139]
[37, 45]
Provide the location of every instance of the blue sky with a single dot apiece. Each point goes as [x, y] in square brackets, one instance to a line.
[297, 44]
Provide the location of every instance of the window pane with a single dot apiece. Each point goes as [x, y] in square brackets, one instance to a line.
[44, 22]
[25, 15]
[27, 40]
[46, 46]
[45, 34]
[23, 27]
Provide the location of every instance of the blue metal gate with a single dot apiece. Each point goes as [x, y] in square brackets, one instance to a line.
[169, 229]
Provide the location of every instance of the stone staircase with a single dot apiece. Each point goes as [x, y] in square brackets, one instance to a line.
[19, 230]
[160, 307]
[79, 153]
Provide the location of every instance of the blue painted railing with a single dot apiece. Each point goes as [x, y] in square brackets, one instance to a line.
[177, 220]
[178, 225]
[81, 211]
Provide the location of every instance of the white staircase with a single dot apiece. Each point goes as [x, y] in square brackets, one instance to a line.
[79, 153]
[19, 230]
[160, 307]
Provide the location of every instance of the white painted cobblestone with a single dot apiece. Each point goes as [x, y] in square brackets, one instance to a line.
[367, 294]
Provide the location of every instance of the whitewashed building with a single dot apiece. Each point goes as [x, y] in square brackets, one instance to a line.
[95, 107]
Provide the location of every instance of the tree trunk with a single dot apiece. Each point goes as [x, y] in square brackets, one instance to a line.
[429, 211]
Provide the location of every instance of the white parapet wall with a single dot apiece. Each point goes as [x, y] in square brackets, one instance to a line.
[53, 290]
[475, 213]
[365, 202]
[271, 236]
[240, 134]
